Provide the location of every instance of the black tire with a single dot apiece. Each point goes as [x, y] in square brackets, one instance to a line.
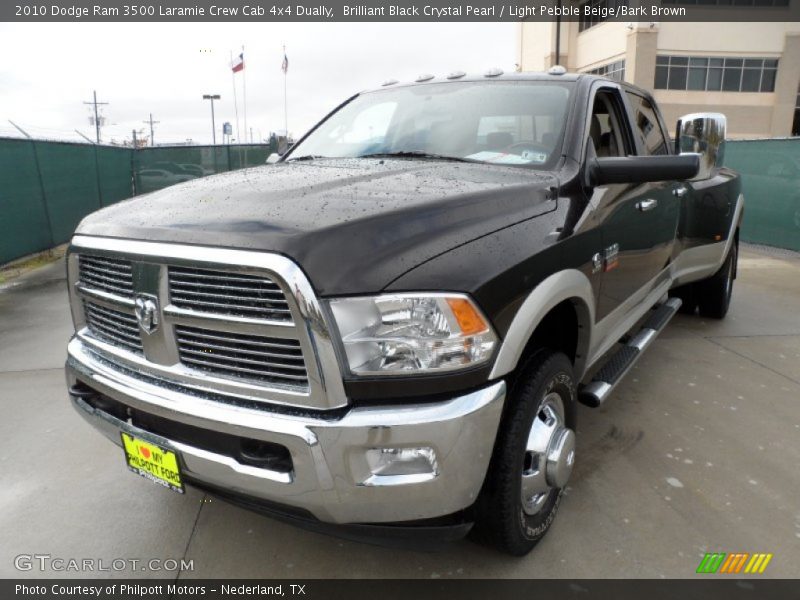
[501, 520]
[688, 295]
[714, 293]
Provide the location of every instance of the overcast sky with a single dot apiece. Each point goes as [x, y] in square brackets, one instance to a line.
[48, 70]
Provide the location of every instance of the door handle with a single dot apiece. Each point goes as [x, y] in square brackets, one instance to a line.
[645, 205]
[680, 191]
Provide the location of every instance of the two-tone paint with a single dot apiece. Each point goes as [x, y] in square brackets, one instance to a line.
[521, 241]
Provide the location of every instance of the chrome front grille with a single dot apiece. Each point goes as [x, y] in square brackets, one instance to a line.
[228, 293]
[239, 355]
[113, 326]
[110, 275]
[235, 325]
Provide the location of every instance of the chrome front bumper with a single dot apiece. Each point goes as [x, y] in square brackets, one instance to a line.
[330, 478]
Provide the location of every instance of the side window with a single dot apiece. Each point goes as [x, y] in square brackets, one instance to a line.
[646, 126]
[606, 126]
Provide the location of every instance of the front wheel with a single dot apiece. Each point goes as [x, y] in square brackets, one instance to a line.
[533, 456]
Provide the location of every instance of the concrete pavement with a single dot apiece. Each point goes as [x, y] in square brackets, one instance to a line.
[696, 451]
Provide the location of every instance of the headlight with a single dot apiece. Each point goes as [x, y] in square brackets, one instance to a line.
[412, 333]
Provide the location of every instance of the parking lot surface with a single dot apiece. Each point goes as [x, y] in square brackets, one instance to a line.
[697, 451]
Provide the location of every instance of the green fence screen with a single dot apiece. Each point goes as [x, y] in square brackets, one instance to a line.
[24, 222]
[46, 188]
[770, 172]
[115, 176]
[155, 168]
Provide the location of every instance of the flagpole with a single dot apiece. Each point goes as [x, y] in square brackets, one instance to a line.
[235, 102]
[285, 111]
[244, 94]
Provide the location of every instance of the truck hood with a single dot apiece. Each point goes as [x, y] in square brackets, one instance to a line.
[353, 225]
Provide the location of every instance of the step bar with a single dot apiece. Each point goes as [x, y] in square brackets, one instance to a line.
[606, 379]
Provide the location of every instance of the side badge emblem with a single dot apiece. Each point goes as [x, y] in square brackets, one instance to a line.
[612, 257]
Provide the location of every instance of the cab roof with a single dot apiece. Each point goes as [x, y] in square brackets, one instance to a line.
[491, 75]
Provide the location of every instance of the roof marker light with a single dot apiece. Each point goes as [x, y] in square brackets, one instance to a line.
[456, 75]
[389, 82]
[556, 70]
[424, 77]
[494, 72]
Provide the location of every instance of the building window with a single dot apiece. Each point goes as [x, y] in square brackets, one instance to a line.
[736, 3]
[796, 124]
[716, 74]
[615, 70]
[599, 11]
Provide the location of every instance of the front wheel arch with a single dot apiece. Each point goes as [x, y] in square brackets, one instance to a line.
[567, 289]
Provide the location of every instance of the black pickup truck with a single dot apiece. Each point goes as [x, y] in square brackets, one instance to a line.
[387, 330]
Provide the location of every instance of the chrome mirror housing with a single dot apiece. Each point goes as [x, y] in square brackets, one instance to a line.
[273, 158]
[703, 134]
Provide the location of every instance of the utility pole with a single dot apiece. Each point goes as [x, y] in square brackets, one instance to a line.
[96, 115]
[151, 127]
[134, 139]
[212, 97]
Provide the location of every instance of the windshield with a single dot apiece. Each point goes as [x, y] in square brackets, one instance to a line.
[519, 123]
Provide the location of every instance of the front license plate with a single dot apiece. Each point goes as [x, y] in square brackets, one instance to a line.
[152, 462]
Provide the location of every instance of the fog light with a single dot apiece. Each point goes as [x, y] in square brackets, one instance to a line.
[396, 466]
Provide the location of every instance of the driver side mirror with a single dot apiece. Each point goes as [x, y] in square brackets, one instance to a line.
[704, 135]
[641, 169]
[273, 158]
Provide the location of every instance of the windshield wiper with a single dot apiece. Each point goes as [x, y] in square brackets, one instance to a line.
[415, 154]
[304, 157]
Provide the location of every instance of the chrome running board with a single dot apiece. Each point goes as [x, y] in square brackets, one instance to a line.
[618, 364]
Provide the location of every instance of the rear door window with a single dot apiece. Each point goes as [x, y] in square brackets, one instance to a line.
[646, 126]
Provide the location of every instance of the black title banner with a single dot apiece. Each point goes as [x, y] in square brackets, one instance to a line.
[376, 589]
[634, 11]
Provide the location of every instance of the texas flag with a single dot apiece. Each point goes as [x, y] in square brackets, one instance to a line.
[238, 64]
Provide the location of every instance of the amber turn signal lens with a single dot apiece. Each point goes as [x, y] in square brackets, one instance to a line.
[468, 318]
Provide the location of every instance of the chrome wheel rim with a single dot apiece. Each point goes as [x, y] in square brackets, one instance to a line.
[549, 454]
